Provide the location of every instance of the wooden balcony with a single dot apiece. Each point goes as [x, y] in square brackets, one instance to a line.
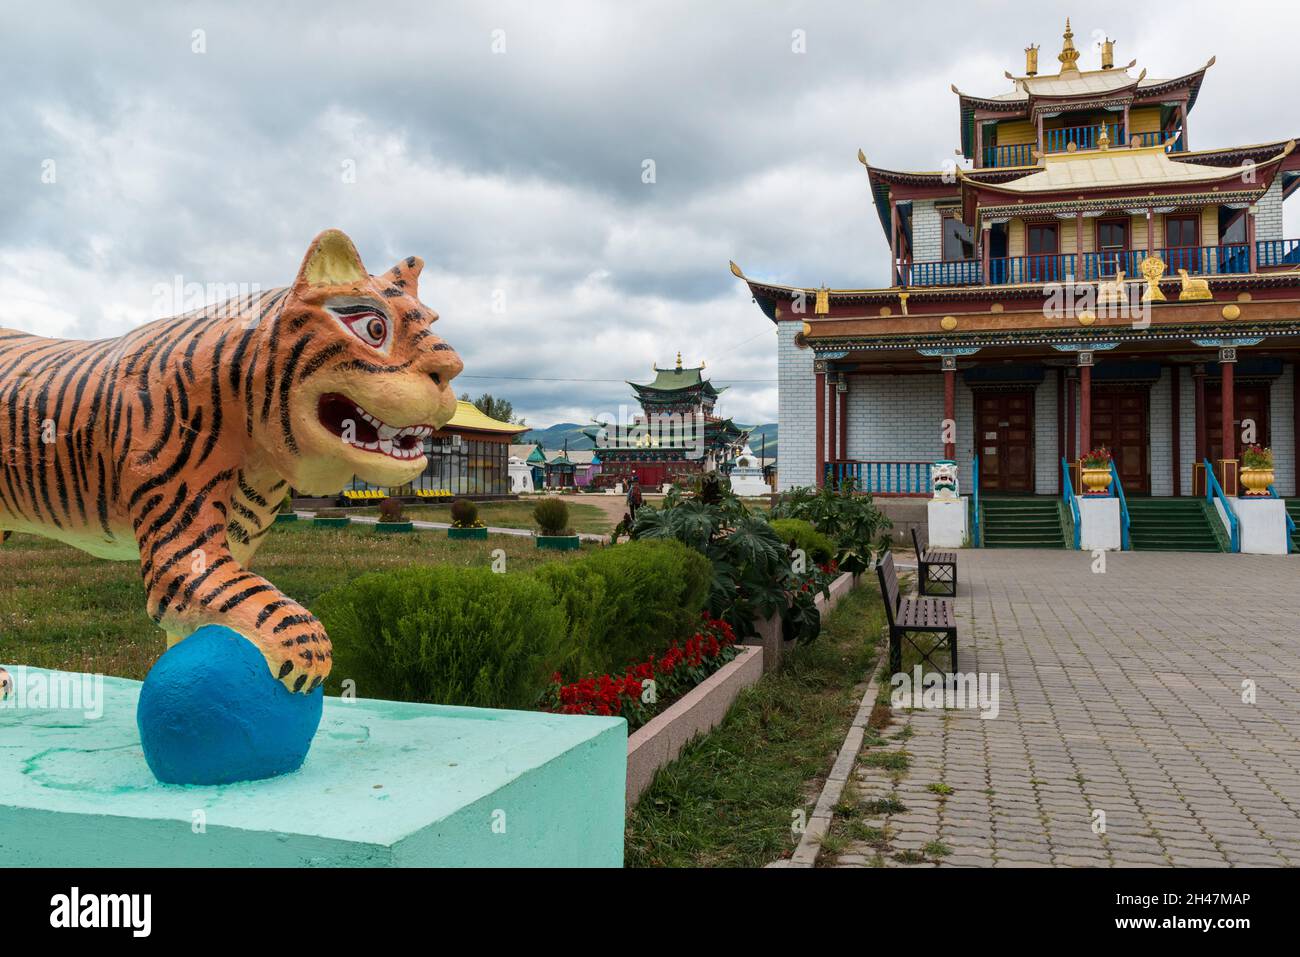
[1080, 138]
[1227, 259]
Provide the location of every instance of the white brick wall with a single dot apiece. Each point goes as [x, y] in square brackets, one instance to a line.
[927, 233]
[1047, 460]
[796, 410]
[1281, 416]
[1268, 221]
[896, 417]
[1160, 453]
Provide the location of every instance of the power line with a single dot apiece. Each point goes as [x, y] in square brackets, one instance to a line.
[533, 378]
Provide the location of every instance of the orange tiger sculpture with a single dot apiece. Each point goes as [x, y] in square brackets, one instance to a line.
[173, 445]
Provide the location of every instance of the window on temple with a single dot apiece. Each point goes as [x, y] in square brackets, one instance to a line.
[1180, 231]
[1112, 241]
[958, 238]
[1041, 239]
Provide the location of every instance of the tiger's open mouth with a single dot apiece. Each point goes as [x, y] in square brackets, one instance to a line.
[361, 430]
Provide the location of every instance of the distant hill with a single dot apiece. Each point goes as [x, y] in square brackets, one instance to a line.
[554, 438]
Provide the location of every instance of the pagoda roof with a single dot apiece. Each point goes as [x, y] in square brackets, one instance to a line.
[1116, 168]
[468, 418]
[678, 380]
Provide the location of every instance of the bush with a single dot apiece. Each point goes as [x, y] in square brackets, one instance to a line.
[446, 635]
[464, 513]
[817, 546]
[552, 517]
[390, 510]
[628, 602]
[331, 513]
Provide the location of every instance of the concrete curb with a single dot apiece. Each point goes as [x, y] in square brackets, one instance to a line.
[700, 710]
[805, 855]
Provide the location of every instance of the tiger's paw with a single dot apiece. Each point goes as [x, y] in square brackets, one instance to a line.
[302, 661]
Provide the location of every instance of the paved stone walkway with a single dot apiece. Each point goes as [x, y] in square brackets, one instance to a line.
[1119, 692]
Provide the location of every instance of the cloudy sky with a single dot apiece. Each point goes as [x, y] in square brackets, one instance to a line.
[506, 144]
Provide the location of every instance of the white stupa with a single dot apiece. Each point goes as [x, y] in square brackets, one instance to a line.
[521, 476]
[747, 475]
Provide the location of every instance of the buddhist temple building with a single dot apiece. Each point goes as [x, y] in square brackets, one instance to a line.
[674, 437]
[1088, 275]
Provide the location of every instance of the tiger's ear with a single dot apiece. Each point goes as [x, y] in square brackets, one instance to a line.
[331, 260]
[406, 274]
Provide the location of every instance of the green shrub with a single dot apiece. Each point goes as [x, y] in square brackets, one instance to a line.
[552, 516]
[628, 602]
[446, 635]
[817, 546]
[464, 513]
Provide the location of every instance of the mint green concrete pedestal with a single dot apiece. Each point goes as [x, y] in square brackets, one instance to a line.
[387, 784]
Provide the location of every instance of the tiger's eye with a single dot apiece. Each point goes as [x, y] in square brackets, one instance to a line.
[375, 328]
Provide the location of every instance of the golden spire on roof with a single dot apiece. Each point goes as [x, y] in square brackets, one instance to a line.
[1108, 54]
[679, 360]
[822, 306]
[1031, 60]
[1068, 55]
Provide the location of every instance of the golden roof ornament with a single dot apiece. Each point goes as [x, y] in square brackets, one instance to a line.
[1069, 55]
[823, 305]
[1152, 268]
[679, 361]
[1108, 54]
[1031, 60]
[1103, 140]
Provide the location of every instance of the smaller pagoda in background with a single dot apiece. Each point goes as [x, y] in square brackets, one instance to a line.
[676, 436]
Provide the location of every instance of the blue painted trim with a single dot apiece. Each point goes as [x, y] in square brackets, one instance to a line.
[1290, 522]
[1117, 491]
[976, 533]
[1212, 490]
[1067, 493]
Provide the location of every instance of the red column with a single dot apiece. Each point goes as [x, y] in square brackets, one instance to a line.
[1060, 422]
[893, 244]
[844, 420]
[820, 379]
[1198, 380]
[1071, 401]
[1175, 425]
[1229, 437]
[1085, 408]
[1251, 249]
[949, 409]
[832, 428]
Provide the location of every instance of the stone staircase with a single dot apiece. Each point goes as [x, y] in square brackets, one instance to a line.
[1021, 522]
[1173, 525]
[1293, 509]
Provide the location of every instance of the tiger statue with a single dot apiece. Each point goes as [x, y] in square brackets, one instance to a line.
[175, 444]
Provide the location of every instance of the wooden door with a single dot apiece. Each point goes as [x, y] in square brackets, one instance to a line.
[1121, 422]
[1004, 425]
[1248, 402]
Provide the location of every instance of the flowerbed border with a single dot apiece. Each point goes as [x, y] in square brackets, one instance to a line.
[661, 739]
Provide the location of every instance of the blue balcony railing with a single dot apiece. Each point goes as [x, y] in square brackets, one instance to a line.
[882, 478]
[963, 272]
[1107, 263]
[1278, 252]
[1015, 154]
[1171, 139]
[1056, 267]
[1206, 260]
[1082, 137]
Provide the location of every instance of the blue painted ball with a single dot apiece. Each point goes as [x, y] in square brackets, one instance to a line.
[211, 712]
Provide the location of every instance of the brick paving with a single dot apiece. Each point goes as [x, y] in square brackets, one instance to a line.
[1120, 692]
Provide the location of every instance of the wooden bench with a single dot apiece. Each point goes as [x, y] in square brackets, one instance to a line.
[909, 617]
[934, 568]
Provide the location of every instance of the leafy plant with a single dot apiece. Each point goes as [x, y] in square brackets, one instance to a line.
[390, 510]
[1256, 457]
[849, 518]
[801, 534]
[447, 635]
[464, 514]
[552, 517]
[1097, 458]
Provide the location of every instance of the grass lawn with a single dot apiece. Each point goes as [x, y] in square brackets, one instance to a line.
[582, 517]
[729, 799]
[61, 608]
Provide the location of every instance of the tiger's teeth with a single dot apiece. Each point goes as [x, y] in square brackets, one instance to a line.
[387, 433]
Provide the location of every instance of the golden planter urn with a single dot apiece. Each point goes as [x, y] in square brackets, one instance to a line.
[1256, 480]
[1096, 481]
